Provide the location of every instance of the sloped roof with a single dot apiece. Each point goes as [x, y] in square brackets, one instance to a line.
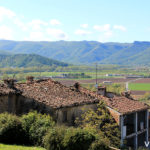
[124, 105]
[56, 95]
[121, 104]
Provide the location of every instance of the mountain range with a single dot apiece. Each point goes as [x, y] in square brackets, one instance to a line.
[84, 52]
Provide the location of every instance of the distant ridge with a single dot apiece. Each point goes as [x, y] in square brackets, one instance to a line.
[27, 60]
[84, 52]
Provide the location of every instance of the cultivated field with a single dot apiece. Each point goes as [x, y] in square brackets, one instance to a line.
[143, 80]
[139, 86]
[92, 81]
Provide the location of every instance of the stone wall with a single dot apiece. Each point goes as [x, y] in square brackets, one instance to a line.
[8, 103]
[25, 105]
[115, 115]
[18, 105]
[68, 115]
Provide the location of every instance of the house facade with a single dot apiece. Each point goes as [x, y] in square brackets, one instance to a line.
[65, 104]
[135, 128]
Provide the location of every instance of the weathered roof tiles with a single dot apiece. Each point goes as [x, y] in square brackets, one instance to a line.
[121, 104]
[54, 94]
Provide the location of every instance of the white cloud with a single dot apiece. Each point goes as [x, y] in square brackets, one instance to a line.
[102, 28]
[36, 24]
[20, 24]
[82, 32]
[105, 37]
[6, 33]
[84, 25]
[57, 33]
[108, 34]
[6, 13]
[55, 22]
[37, 36]
[119, 27]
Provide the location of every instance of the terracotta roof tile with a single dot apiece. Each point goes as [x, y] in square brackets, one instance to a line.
[5, 90]
[54, 94]
[124, 105]
[120, 103]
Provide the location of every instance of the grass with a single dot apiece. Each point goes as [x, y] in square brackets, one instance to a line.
[16, 147]
[139, 86]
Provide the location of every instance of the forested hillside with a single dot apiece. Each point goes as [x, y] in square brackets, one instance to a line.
[84, 52]
[27, 60]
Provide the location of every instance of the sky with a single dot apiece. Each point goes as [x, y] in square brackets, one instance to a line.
[75, 20]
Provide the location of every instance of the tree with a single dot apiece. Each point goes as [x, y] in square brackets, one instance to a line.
[103, 122]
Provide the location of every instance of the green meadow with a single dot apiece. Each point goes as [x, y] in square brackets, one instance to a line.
[15, 147]
[139, 86]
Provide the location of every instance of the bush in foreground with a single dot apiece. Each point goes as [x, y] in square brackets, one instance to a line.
[100, 144]
[77, 139]
[11, 130]
[61, 138]
[36, 125]
[54, 139]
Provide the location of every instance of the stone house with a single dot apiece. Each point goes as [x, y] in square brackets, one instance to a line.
[64, 104]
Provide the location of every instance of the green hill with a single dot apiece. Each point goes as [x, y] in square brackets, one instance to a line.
[136, 54]
[27, 60]
[84, 52]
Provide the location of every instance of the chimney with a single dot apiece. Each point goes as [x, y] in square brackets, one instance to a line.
[101, 90]
[29, 79]
[9, 82]
[77, 86]
[127, 94]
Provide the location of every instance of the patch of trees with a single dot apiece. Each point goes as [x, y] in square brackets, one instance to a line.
[76, 75]
[40, 130]
[97, 130]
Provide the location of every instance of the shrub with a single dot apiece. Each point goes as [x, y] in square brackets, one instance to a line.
[102, 121]
[35, 126]
[145, 97]
[11, 131]
[77, 139]
[61, 138]
[100, 144]
[54, 139]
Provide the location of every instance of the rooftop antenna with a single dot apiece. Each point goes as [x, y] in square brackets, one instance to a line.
[96, 73]
[96, 85]
[127, 86]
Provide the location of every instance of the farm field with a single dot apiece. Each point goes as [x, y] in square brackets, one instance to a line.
[142, 80]
[139, 86]
[15, 147]
[92, 81]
